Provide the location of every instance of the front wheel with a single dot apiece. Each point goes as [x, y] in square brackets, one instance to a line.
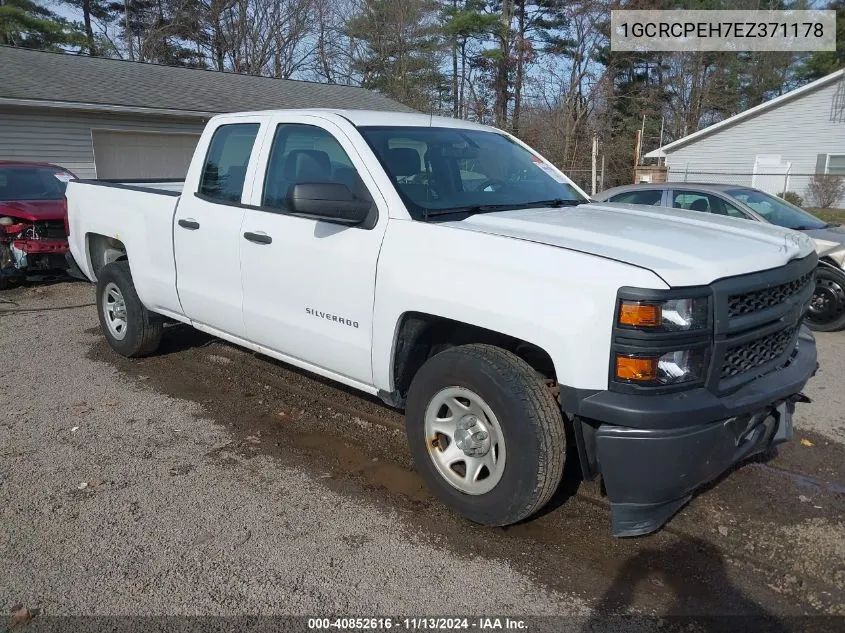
[827, 307]
[485, 433]
[129, 327]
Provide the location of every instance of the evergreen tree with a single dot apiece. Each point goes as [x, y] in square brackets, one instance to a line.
[402, 48]
[27, 24]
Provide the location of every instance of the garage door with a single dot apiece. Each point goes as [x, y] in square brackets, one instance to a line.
[132, 155]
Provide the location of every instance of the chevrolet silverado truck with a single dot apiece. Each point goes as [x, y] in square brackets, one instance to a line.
[454, 272]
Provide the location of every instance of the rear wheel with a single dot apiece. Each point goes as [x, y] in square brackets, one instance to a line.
[129, 327]
[827, 307]
[486, 434]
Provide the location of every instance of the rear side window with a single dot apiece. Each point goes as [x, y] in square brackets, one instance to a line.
[647, 196]
[701, 201]
[224, 172]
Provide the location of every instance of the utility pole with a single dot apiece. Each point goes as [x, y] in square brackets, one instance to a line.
[601, 179]
[637, 153]
[595, 157]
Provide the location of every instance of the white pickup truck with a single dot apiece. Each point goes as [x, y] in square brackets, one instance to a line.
[453, 271]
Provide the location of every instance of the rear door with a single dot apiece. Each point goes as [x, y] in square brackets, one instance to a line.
[704, 201]
[207, 229]
[309, 285]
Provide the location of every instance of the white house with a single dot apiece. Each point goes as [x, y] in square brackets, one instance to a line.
[776, 146]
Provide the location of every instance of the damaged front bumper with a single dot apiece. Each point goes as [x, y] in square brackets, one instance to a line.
[654, 451]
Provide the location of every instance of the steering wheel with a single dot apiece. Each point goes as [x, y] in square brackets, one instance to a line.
[493, 183]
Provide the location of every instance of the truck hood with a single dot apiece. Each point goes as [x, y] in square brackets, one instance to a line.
[33, 210]
[681, 247]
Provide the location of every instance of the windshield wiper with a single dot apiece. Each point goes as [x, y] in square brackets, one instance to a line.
[805, 227]
[471, 210]
[556, 203]
[489, 208]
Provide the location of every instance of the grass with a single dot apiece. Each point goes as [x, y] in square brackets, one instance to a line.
[829, 215]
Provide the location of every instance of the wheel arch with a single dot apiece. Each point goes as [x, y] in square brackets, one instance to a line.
[101, 250]
[420, 335]
[828, 262]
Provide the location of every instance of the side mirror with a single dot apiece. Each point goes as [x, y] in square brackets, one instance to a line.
[329, 201]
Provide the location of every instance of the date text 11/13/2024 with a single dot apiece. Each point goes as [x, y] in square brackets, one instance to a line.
[418, 624]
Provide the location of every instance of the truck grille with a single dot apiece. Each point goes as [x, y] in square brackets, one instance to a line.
[750, 302]
[748, 356]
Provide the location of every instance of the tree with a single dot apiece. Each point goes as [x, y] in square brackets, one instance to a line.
[92, 10]
[825, 190]
[823, 63]
[27, 24]
[465, 25]
[401, 50]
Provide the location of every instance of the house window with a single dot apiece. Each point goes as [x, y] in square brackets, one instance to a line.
[835, 164]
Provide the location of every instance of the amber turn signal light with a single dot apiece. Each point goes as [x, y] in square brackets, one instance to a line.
[640, 314]
[640, 369]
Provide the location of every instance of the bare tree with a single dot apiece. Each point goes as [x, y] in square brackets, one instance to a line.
[826, 190]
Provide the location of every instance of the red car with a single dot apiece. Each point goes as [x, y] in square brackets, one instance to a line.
[33, 214]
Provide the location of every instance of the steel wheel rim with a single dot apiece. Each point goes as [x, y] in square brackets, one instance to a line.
[114, 309]
[464, 440]
[828, 302]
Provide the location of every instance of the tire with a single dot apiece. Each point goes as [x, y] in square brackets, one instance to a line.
[827, 307]
[118, 302]
[525, 436]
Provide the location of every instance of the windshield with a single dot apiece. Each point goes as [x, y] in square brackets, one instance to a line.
[777, 211]
[450, 170]
[24, 182]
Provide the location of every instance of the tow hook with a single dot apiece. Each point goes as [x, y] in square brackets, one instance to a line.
[799, 397]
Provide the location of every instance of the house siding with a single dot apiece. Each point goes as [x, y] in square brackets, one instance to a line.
[798, 130]
[64, 138]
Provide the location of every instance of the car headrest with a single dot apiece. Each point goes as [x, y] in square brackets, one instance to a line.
[307, 165]
[699, 204]
[403, 161]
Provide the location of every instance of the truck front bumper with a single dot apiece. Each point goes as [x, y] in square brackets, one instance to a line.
[654, 451]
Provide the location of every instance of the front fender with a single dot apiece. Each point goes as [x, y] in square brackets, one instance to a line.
[562, 301]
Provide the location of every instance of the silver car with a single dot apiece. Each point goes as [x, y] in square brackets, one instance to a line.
[827, 308]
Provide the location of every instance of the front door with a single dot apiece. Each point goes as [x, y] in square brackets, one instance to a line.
[207, 233]
[309, 285]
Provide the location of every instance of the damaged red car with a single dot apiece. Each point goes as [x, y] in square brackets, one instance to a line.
[33, 213]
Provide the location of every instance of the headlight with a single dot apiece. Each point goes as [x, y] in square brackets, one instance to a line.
[673, 315]
[668, 368]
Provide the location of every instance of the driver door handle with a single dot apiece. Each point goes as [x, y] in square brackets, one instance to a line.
[258, 238]
[190, 224]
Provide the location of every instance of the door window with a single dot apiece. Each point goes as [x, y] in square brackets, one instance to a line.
[224, 172]
[700, 201]
[307, 154]
[646, 196]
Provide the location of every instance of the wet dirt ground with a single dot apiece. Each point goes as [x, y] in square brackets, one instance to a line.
[769, 538]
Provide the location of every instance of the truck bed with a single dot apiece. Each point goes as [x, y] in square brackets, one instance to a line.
[139, 215]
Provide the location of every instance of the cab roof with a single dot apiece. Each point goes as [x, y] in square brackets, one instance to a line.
[373, 118]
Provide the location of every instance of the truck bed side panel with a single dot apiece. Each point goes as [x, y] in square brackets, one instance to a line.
[142, 219]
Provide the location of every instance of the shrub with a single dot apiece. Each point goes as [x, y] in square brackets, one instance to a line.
[825, 190]
[792, 198]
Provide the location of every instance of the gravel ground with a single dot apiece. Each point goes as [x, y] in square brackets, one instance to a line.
[206, 480]
[116, 500]
[826, 414]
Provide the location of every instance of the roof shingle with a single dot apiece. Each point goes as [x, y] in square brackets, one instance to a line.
[42, 76]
